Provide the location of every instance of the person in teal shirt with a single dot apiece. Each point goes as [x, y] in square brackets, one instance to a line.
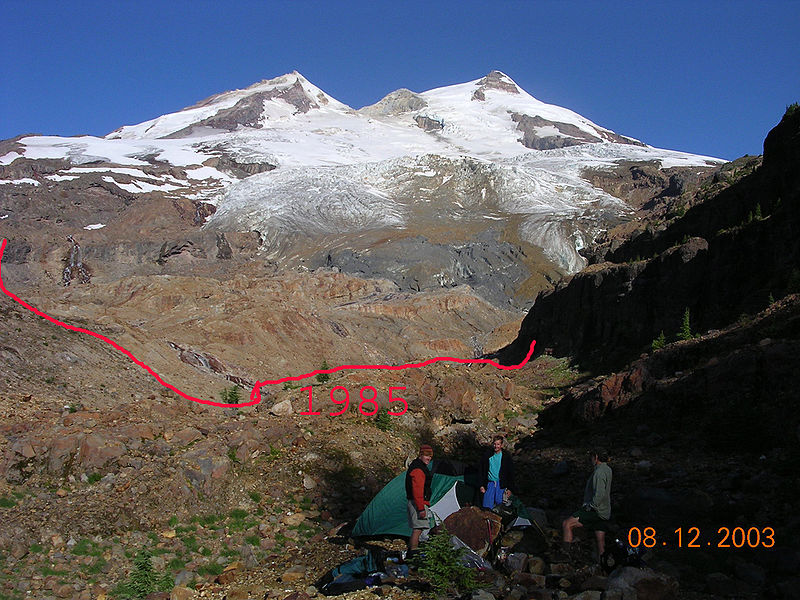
[595, 512]
[497, 474]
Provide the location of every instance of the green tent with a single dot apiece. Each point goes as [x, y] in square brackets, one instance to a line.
[386, 514]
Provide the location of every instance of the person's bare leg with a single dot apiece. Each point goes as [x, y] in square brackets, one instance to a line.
[601, 541]
[413, 542]
[567, 526]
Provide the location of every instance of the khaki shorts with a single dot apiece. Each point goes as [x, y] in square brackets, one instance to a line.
[413, 517]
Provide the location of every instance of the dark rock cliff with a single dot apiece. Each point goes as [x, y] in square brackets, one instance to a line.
[724, 258]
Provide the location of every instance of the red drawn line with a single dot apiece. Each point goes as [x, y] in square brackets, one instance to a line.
[255, 394]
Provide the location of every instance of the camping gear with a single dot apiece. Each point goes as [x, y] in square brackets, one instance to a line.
[361, 572]
[620, 554]
[452, 487]
[386, 514]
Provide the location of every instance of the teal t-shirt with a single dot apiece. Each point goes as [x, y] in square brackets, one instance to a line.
[494, 466]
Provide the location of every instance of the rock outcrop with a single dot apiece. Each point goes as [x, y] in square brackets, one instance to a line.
[726, 257]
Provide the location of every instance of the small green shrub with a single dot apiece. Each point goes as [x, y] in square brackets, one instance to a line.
[439, 564]
[382, 420]
[255, 497]
[659, 342]
[143, 580]
[274, 454]
[323, 377]
[6, 502]
[95, 477]
[685, 332]
[231, 395]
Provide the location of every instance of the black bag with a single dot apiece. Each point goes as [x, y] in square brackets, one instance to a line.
[620, 554]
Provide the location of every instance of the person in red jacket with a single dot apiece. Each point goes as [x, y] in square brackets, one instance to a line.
[418, 494]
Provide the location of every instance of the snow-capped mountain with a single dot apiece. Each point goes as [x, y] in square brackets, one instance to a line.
[286, 159]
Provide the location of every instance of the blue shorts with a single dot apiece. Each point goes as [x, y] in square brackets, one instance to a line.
[493, 495]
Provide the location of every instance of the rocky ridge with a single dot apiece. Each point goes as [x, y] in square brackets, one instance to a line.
[726, 257]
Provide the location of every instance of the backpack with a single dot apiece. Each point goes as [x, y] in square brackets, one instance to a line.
[620, 554]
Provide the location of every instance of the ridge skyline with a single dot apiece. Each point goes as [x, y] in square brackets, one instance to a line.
[708, 80]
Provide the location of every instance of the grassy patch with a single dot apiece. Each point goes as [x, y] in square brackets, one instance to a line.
[86, 547]
[190, 542]
[176, 564]
[96, 567]
[185, 529]
[210, 569]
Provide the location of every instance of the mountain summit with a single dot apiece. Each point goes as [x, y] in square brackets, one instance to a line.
[253, 107]
[480, 169]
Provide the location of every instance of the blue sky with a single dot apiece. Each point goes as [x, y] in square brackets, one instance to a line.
[704, 77]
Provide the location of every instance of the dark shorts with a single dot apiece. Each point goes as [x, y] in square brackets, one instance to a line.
[591, 520]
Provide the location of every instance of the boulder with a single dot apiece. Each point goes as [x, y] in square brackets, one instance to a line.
[589, 595]
[282, 408]
[475, 527]
[99, 449]
[642, 584]
[182, 593]
[516, 561]
[293, 574]
[186, 436]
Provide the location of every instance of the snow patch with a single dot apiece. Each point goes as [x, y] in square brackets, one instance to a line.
[95, 226]
[62, 177]
[7, 159]
[23, 181]
[140, 187]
